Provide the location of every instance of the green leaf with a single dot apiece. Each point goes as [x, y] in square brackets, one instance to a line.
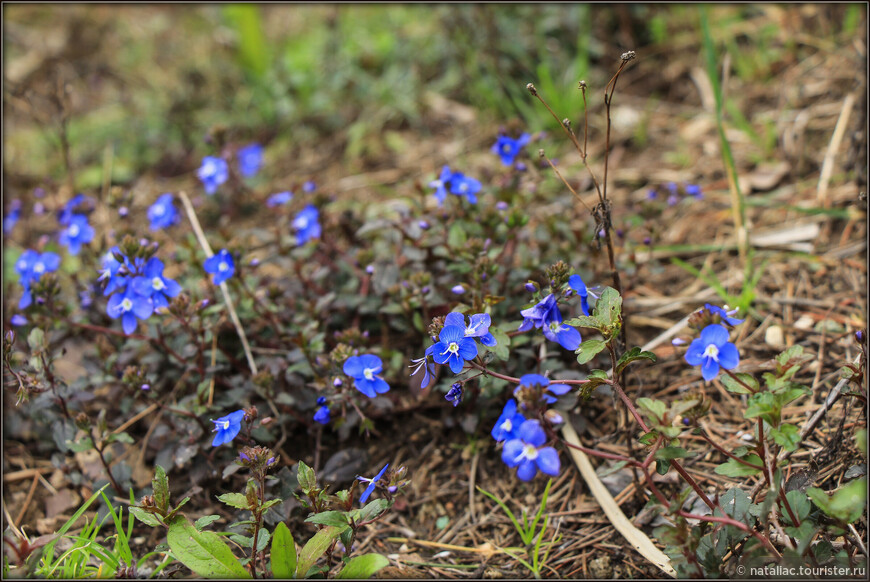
[36, 339]
[270, 503]
[177, 507]
[735, 387]
[205, 521]
[315, 547]
[588, 350]
[799, 504]
[305, 477]
[501, 349]
[648, 438]
[733, 468]
[608, 309]
[336, 518]
[121, 437]
[846, 504]
[362, 567]
[237, 500]
[160, 487]
[786, 435]
[456, 237]
[204, 552]
[735, 502]
[283, 552]
[662, 467]
[595, 379]
[668, 453]
[373, 509]
[144, 516]
[263, 537]
[633, 355]
[584, 321]
[655, 409]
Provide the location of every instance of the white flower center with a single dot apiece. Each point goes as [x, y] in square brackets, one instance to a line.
[126, 304]
[39, 268]
[369, 374]
[555, 326]
[157, 284]
[158, 210]
[463, 187]
[223, 266]
[226, 424]
[301, 223]
[453, 348]
[712, 352]
[507, 425]
[530, 452]
[74, 230]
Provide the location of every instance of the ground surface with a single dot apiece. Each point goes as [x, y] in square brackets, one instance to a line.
[806, 213]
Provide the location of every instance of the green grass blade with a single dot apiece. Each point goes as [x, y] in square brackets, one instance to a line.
[49, 549]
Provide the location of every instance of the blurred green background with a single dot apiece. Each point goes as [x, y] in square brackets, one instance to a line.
[152, 82]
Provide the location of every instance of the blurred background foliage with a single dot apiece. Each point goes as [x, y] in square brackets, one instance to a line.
[151, 82]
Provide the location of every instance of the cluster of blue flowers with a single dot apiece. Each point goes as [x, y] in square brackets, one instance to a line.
[307, 225]
[31, 266]
[675, 192]
[457, 184]
[455, 345]
[524, 439]
[137, 287]
[214, 171]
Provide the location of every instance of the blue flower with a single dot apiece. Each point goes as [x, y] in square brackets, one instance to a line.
[364, 369]
[227, 427]
[712, 351]
[454, 395]
[129, 306]
[462, 185]
[162, 213]
[18, 320]
[527, 455]
[541, 313]
[577, 284]
[695, 191]
[723, 314]
[212, 173]
[279, 199]
[479, 326]
[322, 414]
[563, 334]
[30, 267]
[153, 284]
[507, 148]
[77, 233]
[440, 184]
[428, 368]
[532, 380]
[221, 266]
[250, 159]
[454, 348]
[109, 272]
[372, 484]
[309, 187]
[508, 424]
[66, 214]
[307, 225]
[12, 218]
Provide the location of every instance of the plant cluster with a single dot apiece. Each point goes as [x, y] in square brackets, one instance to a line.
[358, 294]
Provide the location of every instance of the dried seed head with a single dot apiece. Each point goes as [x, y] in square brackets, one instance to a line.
[628, 56]
[582, 85]
[541, 153]
[567, 123]
[531, 89]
